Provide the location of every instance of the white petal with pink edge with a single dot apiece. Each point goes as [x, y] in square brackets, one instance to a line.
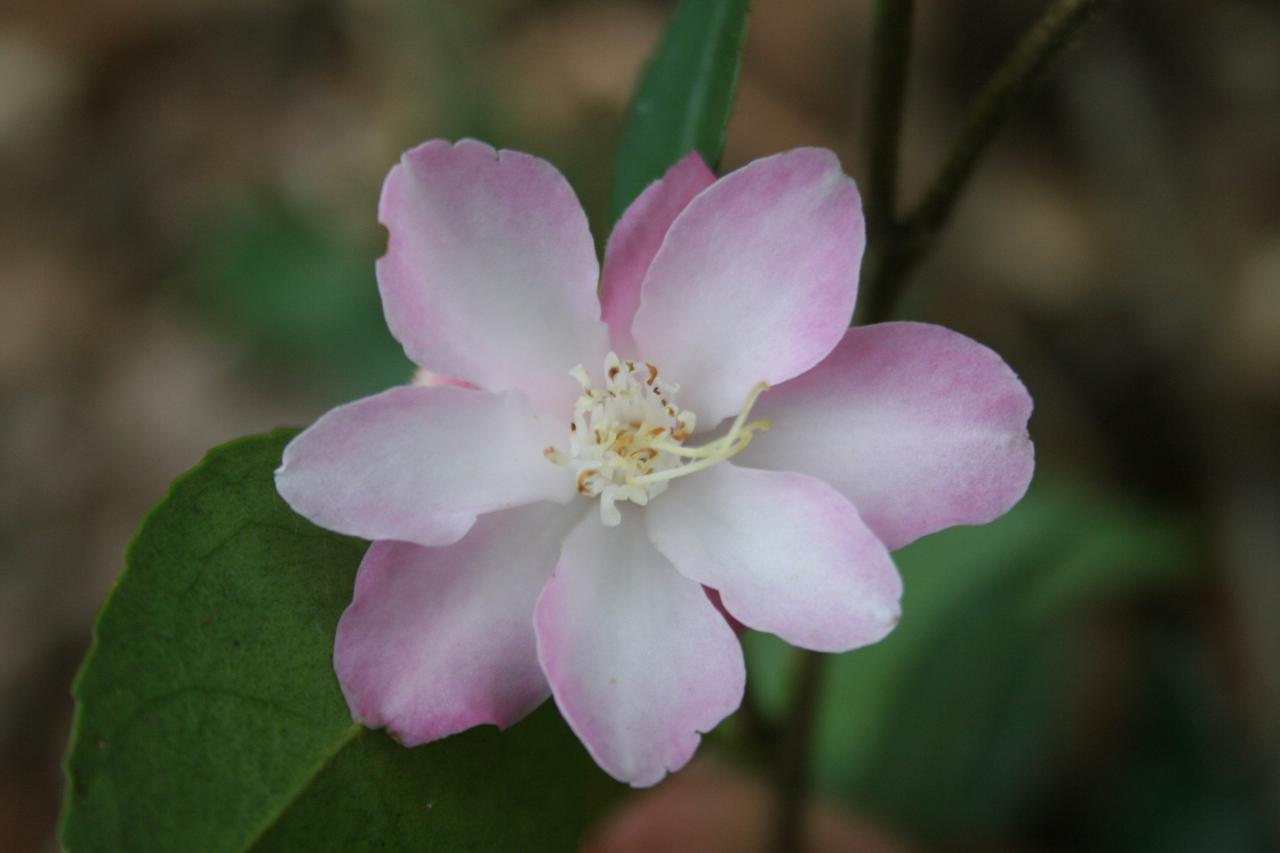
[639, 660]
[635, 241]
[420, 463]
[755, 280]
[439, 640]
[787, 553]
[919, 426]
[490, 272]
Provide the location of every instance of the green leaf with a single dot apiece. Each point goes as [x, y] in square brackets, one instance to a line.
[208, 715]
[685, 97]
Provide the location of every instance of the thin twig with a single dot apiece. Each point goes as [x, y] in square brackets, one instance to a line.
[1005, 91]
[890, 55]
[793, 764]
[900, 244]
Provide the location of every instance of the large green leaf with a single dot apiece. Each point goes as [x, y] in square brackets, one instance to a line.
[209, 718]
[685, 97]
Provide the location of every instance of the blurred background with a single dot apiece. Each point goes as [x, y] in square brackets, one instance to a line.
[187, 236]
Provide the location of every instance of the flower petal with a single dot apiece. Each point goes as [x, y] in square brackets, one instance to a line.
[788, 554]
[635, 240]
[638, 659]
[755, 281]
[490, 272]
[428, 379]
[439, 640]
[419, 464]
[919, 426]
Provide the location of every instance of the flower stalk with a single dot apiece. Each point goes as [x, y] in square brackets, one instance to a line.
[797, 743]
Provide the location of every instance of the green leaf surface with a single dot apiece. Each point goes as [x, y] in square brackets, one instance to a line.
[685, 97]
[208, 716]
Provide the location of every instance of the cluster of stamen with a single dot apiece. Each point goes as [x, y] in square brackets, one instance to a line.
[626, 441]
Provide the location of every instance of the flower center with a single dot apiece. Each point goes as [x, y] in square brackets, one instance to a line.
[626, 442]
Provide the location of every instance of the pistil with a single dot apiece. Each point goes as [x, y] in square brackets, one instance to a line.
[733, 443]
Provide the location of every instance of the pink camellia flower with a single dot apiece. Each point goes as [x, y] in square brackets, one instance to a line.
[549, 504]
